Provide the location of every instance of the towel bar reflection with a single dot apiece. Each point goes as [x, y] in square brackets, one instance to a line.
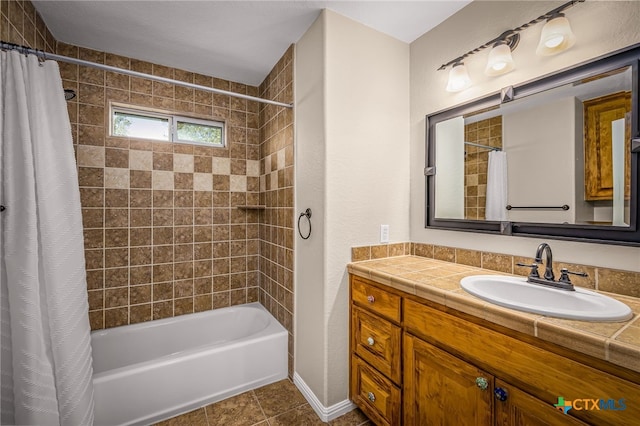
[307, 214]
[563, 207]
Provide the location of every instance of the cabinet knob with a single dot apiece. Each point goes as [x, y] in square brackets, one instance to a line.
[371, 397]
[482, 383]
[371, 299]
[501, 394]
[370, 341]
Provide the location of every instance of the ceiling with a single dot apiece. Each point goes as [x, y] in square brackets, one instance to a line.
[235, 40]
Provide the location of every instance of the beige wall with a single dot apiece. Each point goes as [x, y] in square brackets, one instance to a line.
[540, 144]
[362, 96]
[600, 27]
[310, 193]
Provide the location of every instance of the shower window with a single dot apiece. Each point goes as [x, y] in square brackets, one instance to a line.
[190, 130]
[140, 124]
[135, 123]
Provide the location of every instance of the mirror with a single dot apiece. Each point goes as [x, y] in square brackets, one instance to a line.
[553, 157]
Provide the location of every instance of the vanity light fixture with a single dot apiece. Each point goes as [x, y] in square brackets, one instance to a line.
[458, 78]
[556, 37]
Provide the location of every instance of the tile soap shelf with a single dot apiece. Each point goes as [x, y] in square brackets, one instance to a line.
[256, 207]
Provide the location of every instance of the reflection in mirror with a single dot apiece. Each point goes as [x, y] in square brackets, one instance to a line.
[560, 156]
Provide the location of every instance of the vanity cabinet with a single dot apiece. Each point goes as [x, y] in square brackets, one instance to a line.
[438, 366]
[598, 157]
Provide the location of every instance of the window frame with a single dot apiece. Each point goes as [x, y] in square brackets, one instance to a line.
[172, 120]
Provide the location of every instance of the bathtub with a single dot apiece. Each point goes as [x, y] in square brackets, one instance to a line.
[146, 372]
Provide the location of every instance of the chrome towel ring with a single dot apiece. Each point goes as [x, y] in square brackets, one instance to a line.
[307, 214]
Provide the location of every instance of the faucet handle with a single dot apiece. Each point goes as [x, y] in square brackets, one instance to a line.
[564, 275]
[534, 269]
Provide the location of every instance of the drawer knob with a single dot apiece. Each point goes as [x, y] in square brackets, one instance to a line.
[370, 341]
[501, 394]
[371, 397]
[482, 383]
[371, 299]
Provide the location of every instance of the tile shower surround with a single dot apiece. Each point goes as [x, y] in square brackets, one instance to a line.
[276, 194]
[486, 132]
[163, 234]
[21, 24]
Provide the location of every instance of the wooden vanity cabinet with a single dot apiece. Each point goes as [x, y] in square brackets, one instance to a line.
[452, 364]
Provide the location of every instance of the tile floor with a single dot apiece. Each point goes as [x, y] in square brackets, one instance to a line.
[277, 404]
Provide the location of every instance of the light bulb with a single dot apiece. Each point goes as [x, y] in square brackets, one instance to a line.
[554, 42]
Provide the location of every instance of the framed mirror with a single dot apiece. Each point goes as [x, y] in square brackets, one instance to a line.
[556, 157]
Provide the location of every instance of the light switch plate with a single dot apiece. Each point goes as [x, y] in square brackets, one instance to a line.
[384, 233]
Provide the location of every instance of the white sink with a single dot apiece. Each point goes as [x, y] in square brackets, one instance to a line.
[517, 293]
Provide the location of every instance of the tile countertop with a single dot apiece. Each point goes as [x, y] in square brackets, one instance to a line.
[439, 281]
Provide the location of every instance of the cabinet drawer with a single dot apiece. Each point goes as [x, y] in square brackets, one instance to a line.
[377, 341]
[376, 299]
[376, 396]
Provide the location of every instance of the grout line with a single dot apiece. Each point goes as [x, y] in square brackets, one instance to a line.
[260, 405]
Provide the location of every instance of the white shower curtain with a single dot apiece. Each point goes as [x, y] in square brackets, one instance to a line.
[46, 347]
[497, 186]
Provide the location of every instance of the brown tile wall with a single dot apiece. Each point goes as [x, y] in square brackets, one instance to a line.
[276, 194]
[21, 24]
[486, 132]
[603, 279]
[163, 233]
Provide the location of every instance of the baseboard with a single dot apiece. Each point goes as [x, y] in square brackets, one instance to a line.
[326, 414]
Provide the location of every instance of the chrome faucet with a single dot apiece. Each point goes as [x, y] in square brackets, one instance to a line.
[563, 283]
[548, 271]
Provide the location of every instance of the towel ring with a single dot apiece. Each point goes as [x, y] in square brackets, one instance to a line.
[307, 214]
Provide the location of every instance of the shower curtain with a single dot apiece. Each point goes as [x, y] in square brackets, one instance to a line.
[46, 347]
[496, 186]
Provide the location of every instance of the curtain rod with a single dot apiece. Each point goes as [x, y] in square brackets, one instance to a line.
[44, 56]
[492, 148]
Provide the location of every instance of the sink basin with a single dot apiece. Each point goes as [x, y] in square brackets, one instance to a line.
[517, 293]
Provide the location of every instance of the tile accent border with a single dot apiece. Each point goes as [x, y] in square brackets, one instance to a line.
[326, 414]
[616, 281]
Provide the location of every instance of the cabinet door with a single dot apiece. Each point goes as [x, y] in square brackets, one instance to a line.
[521, 409]
[440, 389]
[598, 160]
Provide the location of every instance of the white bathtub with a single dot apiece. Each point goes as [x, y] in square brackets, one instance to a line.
[146, 372]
